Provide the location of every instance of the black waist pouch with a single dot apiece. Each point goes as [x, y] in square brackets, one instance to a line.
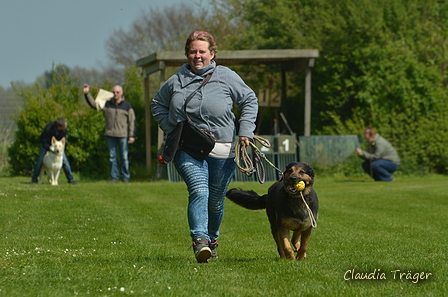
[196, 142]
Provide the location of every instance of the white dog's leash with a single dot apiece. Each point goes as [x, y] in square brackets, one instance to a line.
[310, 213]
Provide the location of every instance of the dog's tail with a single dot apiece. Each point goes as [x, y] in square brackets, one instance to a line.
[247, 199]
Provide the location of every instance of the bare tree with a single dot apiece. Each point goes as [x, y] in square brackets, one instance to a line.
[167, 29]
[154, 31]
[10, 104]
[97, 77]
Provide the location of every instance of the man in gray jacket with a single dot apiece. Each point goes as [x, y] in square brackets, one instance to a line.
[381, 159]
[120, 130]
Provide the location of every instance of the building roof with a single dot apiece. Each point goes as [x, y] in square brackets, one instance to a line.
[293, 58]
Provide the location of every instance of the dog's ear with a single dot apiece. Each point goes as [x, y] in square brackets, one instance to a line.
[310, 170]
[53, 140]
[287, 168]
[63, 140]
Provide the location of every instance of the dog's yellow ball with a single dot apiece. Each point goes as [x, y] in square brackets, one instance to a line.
[300, 186]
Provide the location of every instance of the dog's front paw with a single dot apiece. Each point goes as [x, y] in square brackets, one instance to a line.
[300, 255]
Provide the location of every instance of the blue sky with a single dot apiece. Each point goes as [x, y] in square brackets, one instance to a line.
[34, 34]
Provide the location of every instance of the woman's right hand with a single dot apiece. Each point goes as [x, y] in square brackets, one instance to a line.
[86, 88]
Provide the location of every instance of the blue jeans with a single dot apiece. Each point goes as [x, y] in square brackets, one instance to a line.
[207, 183]
[381, 169]
[40, 161]
[122, 144]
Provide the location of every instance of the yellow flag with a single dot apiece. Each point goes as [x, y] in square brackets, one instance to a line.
[102, 97]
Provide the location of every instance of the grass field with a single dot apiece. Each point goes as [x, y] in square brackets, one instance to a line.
[100, 239]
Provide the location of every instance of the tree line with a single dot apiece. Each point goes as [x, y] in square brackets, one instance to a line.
[382, 63]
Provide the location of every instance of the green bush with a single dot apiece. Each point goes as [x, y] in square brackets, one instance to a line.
[86, 146]
[349, 167]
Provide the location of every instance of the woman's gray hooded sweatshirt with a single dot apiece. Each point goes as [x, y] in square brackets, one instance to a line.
[211, 107]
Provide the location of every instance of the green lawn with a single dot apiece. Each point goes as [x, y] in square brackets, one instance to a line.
[100, 239]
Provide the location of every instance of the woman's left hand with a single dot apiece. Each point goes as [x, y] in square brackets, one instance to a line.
[244, 140]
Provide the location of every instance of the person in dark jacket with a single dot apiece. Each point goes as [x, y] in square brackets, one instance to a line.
[58, 129]
[381, 159]
[120, 130]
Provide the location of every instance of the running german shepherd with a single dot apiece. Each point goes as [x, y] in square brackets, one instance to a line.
[286, 208]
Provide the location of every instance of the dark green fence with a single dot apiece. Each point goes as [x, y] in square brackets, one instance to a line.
[327, 149]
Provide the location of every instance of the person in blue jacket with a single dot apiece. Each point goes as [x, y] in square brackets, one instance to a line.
[211, 108]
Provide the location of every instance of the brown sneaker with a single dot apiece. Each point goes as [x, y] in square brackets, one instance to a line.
[213, 245]
[201, 249]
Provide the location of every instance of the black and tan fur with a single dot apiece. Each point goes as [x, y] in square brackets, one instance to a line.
[285, 209]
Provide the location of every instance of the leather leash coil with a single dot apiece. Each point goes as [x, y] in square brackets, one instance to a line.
[245, 163]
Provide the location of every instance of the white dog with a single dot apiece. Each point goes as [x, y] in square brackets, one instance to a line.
[52, 163]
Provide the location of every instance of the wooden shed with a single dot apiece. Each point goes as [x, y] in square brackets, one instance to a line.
[288, 59]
